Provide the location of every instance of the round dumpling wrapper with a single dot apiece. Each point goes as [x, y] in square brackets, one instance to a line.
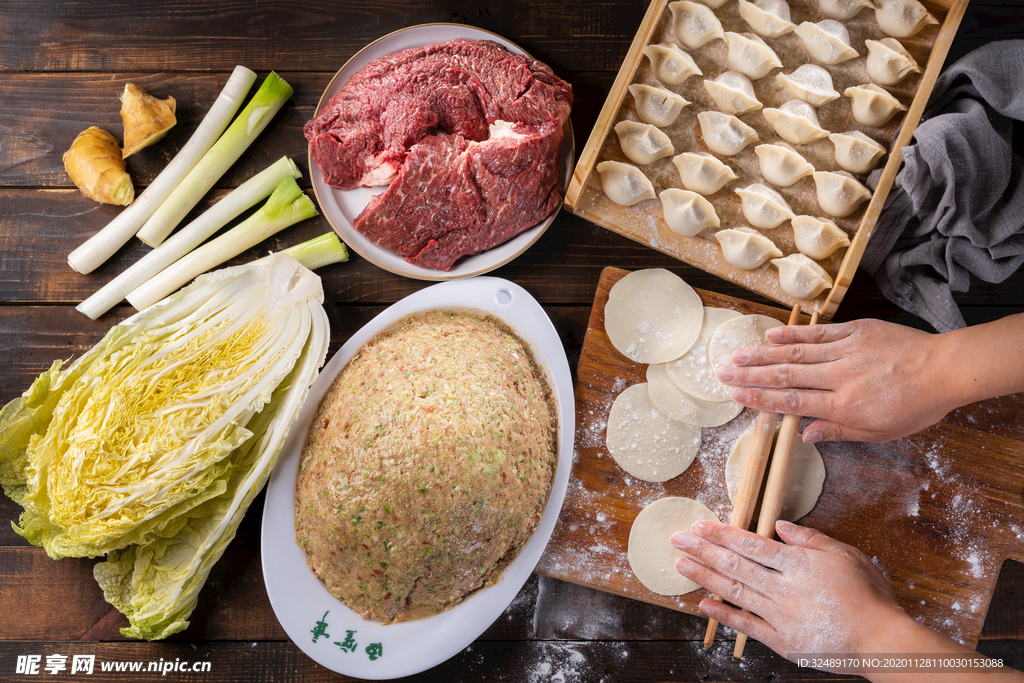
[681, 406]
[652, 557]
[806, 476]
[652, 316]
[692, 372]
[645, 442]
[738, 333]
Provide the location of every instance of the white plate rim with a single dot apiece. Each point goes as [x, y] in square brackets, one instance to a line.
[300, 600]
[335, 203]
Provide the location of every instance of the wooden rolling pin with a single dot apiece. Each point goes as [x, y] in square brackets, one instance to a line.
[753, 475]
[778, 484]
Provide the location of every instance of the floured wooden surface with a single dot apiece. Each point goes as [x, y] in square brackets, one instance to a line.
[644, 221]
[938, 512]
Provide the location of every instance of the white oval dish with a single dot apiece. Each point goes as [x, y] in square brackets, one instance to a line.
[300, 601]
[341, 207]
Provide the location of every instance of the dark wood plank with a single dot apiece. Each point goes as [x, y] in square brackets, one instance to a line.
[233, 604]
[1005, 617]
[485, 661]
[289, 35]
[44, 112]
[36, 336]
[38, 228]
[532, 661]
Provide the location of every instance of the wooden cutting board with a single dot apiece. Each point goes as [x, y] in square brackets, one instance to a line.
[938, 512]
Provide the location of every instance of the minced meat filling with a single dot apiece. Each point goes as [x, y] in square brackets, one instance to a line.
[427, 466]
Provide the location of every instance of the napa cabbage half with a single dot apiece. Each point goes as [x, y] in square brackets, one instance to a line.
[149, 448]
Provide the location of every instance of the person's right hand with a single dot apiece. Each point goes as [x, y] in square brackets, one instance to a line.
[865, 380]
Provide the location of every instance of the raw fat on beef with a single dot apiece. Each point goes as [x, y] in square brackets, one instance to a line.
[427, 116]
[361, 136]
[455, 197]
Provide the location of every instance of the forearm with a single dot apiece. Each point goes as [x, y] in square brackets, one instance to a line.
[983, 361]
[910, 638]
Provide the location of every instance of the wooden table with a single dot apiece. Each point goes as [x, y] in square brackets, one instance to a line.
[61, 66]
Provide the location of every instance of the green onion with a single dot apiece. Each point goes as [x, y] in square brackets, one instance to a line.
[267, 101]
[318, 252]
[245, 196]
[286, 206]
[101, 246]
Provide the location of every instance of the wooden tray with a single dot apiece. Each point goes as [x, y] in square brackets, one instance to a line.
[938, 512]
[644, 223]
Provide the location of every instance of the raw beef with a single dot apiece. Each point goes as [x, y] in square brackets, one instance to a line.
[363, 133]
[454, 196]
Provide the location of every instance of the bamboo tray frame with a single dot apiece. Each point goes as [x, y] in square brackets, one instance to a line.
[828, 302]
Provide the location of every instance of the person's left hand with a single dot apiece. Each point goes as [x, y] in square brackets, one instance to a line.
[809, 595]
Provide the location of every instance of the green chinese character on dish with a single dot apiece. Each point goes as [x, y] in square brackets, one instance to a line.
[349, 644]
[375, 650]
[320, 630]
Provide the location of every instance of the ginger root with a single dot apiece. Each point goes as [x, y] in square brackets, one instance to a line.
[146, 119]
[96, 167]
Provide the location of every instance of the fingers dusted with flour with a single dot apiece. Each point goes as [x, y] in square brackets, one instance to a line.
[865, 380]
[810, 594]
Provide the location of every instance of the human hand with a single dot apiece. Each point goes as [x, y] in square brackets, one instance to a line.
[865, 380]
[811, 594]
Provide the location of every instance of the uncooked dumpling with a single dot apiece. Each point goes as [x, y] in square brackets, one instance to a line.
[624, 184]
[745, 248]
[889, 62]
[724, 133]
[818, 238]
[827, 41]
[687, 213]
[713, 4]
[781, 165]
[734, 93]
[671, 65]
[800, 277]
[645, 442]
[681, 406]
[750, 55]
[768, 18]
[796, 122]
[652, 557]
[643, 143]
[652, 316]
[806, 476]
[810, 83]
[902, 18]
[872, 105]
[655, 105]
[843, 9]
[763, 207]
[856, 152]
[691, 371]
[702, 172]
[839, 194]
[694, 24]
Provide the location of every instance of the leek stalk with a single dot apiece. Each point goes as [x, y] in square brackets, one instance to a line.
[267, 101]
[101, 246]
[245, 196]
[286, 206]
[317, 252]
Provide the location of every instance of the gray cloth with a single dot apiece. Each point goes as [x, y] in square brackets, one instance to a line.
[956, 209]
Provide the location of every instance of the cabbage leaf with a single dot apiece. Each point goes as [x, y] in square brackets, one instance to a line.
[150, 447]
